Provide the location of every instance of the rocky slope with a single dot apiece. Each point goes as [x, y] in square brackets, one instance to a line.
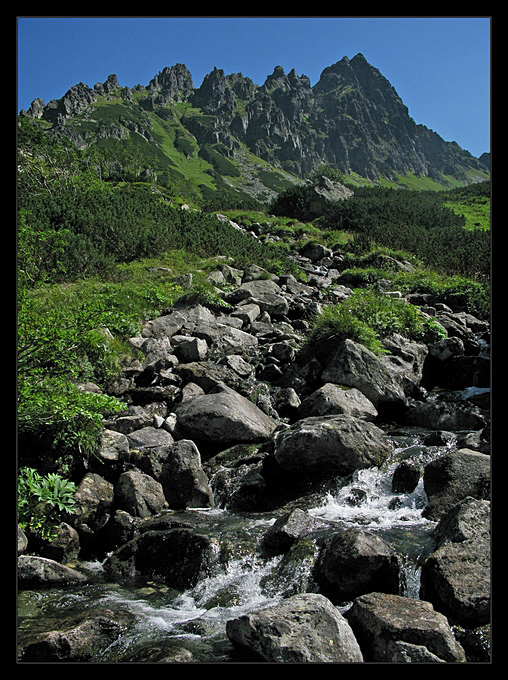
[226, 410]
[351, 119]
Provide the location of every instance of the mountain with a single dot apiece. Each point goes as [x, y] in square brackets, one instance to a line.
[232, 134]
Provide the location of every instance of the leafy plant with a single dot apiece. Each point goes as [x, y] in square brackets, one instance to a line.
[42, 500]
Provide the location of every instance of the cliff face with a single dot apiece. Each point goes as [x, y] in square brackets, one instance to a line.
[352, 118]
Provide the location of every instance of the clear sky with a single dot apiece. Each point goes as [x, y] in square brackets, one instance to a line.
[439, 66]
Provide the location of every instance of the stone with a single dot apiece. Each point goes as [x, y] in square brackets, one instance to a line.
[330, 445]
[353, 365]
[456, 577]
[304, 628]
[332, 399]
[223, 416]
[287, 529]
[184, 482]
[37, 572]
[139, 494]
[452, 478]
[353, 562]
[149, 437]
[380, 619]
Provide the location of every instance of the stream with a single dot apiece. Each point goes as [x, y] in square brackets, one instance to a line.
[167, 622]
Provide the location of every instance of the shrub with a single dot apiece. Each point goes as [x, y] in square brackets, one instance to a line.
[42, 500]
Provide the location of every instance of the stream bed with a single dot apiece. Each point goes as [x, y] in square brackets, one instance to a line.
[165, 624]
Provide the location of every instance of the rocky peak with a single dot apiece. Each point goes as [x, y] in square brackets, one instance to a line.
[173, 83]
[215, 95]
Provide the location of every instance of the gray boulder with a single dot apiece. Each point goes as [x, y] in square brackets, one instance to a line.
[301, 629]
[332, 399]
[330, 445]
[139, 494]
[456, 578]
[382, 621]
[38, 572]
[183, 480]
[354, 365]
[287, 529]
[452, 478]
[353, 562]
[223, 417]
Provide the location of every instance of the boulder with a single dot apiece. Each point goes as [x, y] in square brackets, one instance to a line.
[332, 399]
[178, 557]
[353, 562]
[387, 626]
[183, 480]
[452, 478]
[304, 628]
[39, 572]
[149, 437]
[287, 529]
[445, 415]
[139, 494]
[77, 639]
[223, 417]
[456, 578]
[353, 365]
[94, 502]
[330, 445]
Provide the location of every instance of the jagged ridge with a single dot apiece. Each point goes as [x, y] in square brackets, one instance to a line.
[351, 119]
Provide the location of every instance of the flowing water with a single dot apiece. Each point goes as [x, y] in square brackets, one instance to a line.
[166, 623]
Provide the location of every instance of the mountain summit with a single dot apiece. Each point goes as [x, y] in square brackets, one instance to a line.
[229, 127]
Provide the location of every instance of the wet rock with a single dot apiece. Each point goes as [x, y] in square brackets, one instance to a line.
[456, 577]
[38, 572]
[287, 529]
[77, 638]
[330, 445]
[379, 620]
[177, 557]
[445, 415]
[353, 562]
[452, 478]
[301, 629]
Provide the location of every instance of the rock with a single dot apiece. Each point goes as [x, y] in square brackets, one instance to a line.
[406, 476]
[301, 629]
[183, 480]
[332, 399]
[94, 501]
[149, 437]
[353, 562]
[266, 294]
[223, 417]
[38, 572]
[139, 494]
[287, 529]
[452, 478]
[381, 621]
[445, 415]
[330, 445]
[189, 349]
[77, 639]
[177, 557]
[353, 365]
[63, 547]
[22, 541]
[456, 577]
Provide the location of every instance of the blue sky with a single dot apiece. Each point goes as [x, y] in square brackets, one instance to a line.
[439, 66]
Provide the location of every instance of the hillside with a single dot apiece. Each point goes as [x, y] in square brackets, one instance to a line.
[232, 135]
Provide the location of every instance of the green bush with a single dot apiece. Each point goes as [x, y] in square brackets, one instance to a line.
[42, 500]
[368, 317]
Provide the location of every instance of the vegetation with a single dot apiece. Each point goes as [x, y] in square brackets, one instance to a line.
[103, 244]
